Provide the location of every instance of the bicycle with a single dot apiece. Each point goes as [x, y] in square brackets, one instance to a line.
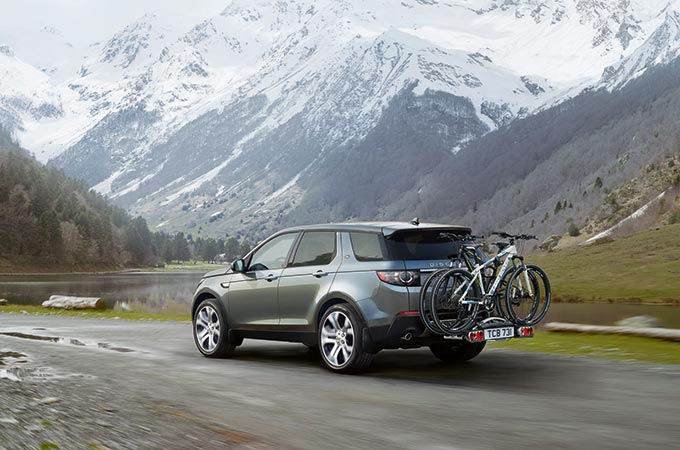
[458, 294]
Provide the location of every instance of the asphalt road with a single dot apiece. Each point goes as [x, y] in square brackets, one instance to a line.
[279, 393]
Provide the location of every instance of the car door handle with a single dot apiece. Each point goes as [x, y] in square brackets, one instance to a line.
[320, 273]
[271, 277]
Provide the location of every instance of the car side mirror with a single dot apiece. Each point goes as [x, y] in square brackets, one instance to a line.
[238, 266]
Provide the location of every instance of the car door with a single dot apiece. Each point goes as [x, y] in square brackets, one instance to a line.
[253, 295]
[308, 277]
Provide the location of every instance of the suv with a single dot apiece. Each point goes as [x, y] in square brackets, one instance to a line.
[347, 289]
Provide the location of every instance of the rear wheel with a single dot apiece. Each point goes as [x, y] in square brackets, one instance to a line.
[211, 334]
[457, 351]
[340, 343]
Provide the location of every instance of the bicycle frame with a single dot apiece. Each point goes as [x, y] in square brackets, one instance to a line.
[509, 253]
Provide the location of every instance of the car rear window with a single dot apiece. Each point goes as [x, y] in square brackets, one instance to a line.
[421, 245]
[367, 246]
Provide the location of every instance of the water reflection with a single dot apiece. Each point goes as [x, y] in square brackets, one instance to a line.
[156, 290]
[171, 292]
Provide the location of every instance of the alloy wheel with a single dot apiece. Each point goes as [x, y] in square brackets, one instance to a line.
[337, 339]
[207, 328]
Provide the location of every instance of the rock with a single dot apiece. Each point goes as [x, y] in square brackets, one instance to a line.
[67, 302]
[667, 334]
[46, 401]
[639, 322]
[9, 420]
[101, 423]
[3, 301]
[550, 243]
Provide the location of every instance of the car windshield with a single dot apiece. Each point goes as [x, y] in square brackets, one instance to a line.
[410, 245]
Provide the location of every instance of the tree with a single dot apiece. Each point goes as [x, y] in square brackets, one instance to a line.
[244, 248]
[573, 230]
[209, 250]
[49, 233]
[558, 207]
[138, 240]
[181, 247]
[232, 248]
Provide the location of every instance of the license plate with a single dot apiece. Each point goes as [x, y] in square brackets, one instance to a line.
[494, 334]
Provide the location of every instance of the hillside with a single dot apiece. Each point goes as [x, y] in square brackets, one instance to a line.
[275, 113]
[49, 221]
[644, 267]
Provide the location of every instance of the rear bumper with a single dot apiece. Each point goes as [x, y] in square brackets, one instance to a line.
[405, 331]
[408, 331]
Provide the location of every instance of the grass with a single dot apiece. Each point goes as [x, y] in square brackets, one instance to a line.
[105, 314]
[642, 268]
[202, 266]
[629, 348]
[13, 268]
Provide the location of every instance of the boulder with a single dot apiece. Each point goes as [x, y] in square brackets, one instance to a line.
[3, 302]
[550, 243]
[67, 302]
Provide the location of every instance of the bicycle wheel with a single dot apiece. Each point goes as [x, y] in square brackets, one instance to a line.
[527, 303]
[424, 302]
[448, 313]
[500, 294]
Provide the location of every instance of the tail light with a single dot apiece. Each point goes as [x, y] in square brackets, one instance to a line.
[525, 332]
[476, 336]
[400, 278]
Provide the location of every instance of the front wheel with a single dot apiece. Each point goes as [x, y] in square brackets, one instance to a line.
[457, 351]
[340, 343]
[210, 331]
[454, 301]
[527, 296]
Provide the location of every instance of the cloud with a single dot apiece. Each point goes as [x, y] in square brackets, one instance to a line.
[86, 21]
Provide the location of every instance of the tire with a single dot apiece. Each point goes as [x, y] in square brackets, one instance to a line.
[500, 294]
[513, 304]
[424, 302]
[216, 344]
[457, 351]
[459, 318]
[340, 340]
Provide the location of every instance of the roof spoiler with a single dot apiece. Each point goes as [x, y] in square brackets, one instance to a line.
[391, 232]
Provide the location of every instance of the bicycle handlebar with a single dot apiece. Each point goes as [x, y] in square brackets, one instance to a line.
[462, 237]
[520, 237]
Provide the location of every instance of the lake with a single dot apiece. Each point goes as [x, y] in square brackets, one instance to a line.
[171, 292]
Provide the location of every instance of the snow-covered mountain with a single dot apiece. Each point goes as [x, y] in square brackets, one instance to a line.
[230, 122]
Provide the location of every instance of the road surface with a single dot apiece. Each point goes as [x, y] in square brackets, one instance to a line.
[276, 395]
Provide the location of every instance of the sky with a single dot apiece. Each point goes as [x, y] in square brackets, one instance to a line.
[87, 21]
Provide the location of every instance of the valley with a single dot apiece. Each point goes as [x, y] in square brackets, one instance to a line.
[272, 114]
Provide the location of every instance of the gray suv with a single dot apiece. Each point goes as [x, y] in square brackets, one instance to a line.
[348, 289]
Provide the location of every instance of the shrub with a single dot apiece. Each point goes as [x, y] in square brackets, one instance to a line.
[675, 217]
[573, 230]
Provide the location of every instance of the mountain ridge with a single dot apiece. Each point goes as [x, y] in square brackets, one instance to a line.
[221, 123]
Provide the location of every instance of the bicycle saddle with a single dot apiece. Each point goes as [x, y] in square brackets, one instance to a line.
[474, 246]
[501, 245]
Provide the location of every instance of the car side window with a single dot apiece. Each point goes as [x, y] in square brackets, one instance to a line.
[367, 246]
[316, 248]
[273, 254]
